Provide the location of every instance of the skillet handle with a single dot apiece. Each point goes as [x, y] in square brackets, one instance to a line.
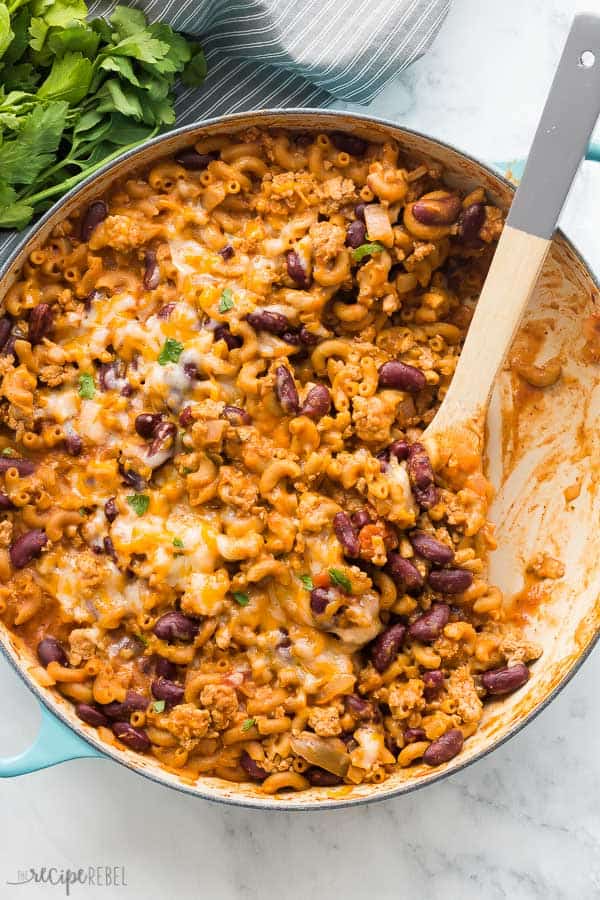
[54, 743]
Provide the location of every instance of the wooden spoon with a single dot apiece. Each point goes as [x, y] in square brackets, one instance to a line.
[558, 148]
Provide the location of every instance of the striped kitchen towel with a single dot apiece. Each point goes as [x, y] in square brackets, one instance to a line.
[274, 53]
[271, 53]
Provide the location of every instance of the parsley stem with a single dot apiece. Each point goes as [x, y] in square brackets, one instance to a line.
[75, 179]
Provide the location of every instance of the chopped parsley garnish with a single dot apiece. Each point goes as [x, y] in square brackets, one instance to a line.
[367, 250]
[158, 706]
[241, 598]
[248, 724]
[338, 577]
[307, 582]
[177, 542]
[170, 352]
[87, 388]
[83, 511]
[226, 302]
[139, 503]
[143, 639]
[8, 451]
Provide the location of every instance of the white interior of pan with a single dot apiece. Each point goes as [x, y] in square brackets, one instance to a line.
[553, 445]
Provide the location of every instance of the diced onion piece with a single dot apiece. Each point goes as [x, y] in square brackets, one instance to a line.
[378, 224]
[327, 753]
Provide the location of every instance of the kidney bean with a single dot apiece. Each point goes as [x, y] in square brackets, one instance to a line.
[360, 518]
[186, 417]
[40, 323]
[164, 668]
[151, 270]
[235, 415]
[163, 442]
[320, 778]
[430, 548]
[450, 581]
[146, 424]
[174, 626]
[5, 502]
[110, 509]
[346, 535]
[296, 268]
[251, 767]
[385, 647]
[73, 444]
[132, 478]
[505, 680]
[440, 211]
[399, 449]
[226, 252]
[308, 337]
[169, 691]
[50, 650]
[194, 161]
[285, 389]
[414, 734]
[5, 329]
[317, 403]
[166, 310]
[349, 143]
[428, 627]
[91, 714]
[420, 472]
[96, 213]
[291, 337]
[433, 680]
[359, 708]
[23, 466]
[401, 377]
[109, 549]
[265, 320]
[27, 547]
[356, 233]
[319, 598]
[134, 738]
[122, 709]
[444, 748]
[222, 333]
[359, 211]
[470, 222]
[405, 574]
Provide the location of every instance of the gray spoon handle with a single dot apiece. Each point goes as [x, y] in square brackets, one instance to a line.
[561, 139]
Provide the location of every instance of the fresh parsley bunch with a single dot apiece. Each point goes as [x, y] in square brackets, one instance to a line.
[76, 93]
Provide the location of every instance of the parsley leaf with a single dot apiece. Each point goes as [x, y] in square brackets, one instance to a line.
[195, 70]
[87, 387]
[57, 68]
[226, 302]
[69, 79]
[139, 503]
[158, 706]
[248, 724]
[366, 250]
[8, 451]
[177, 542]
[22, 159]
[142, 637]
[307, 582]
[241, 598]
[341, 579]
[170, 352]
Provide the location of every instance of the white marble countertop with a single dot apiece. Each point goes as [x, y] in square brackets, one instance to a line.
[524, 823]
